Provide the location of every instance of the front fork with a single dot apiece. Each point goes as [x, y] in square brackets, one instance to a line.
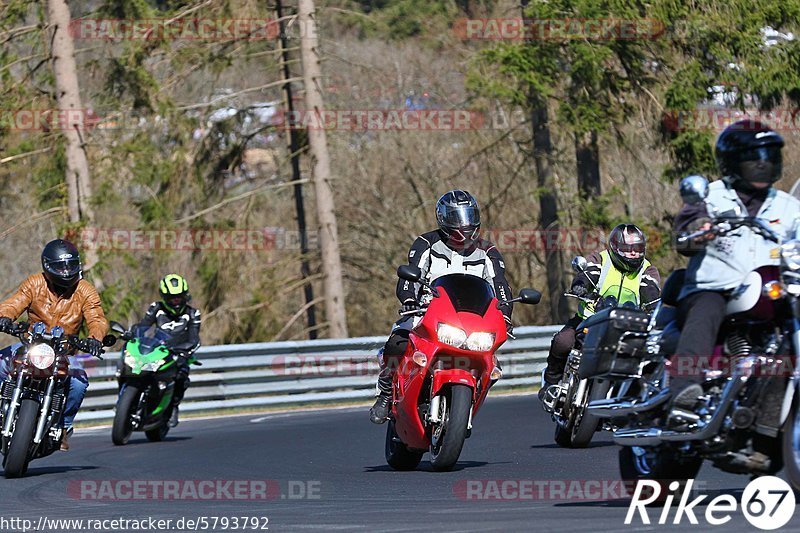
[13, 404]
[45, 411]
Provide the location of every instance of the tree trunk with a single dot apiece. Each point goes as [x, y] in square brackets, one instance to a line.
[548, 206]
[294, 154]
[587, 157]
[65, 73]
[321, 175]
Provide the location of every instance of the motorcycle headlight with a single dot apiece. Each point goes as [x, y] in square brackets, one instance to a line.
[152, 366]
[42, 356]
[129, 359]
[450, 334]
[790, 254]
[480, 341]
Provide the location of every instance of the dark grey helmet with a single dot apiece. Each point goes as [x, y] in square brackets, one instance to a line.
[459, 217]
[61, 264]
[749, 152]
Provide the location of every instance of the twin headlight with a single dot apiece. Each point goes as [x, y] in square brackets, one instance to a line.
[479, 341]
[152, 366]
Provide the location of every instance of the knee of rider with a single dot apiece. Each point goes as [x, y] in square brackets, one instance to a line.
[562, 343]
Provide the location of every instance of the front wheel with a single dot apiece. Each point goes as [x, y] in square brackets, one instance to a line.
[398, 456]
[17, 458]
[448, 436]
[123, 425]
[791, 446]
[586, 424]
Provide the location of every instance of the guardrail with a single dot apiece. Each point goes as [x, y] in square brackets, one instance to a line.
[269, 374]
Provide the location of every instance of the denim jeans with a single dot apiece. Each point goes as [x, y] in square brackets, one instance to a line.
[76, 387]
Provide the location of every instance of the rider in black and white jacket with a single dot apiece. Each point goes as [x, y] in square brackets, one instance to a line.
[452, 249]
[174, 316]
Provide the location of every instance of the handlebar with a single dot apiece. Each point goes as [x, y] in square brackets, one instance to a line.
[23, 329]
[722, 226]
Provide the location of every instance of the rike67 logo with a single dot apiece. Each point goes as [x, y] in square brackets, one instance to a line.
[768, 503]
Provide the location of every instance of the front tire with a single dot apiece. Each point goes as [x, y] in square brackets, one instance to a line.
[446, 447]
[16, 463]
[791, 446]
[585, 423]
[123, 426]
[398, 456]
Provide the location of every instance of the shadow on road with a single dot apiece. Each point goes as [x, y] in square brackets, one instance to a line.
[166, 439]
[625, 502]
[425, 466]
[44, 470]
[552, 445]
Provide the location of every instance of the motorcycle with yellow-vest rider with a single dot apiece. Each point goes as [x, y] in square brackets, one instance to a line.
[619, 276]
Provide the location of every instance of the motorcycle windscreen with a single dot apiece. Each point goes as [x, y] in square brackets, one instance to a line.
[149, 341]
[623, 295]
[467, 293]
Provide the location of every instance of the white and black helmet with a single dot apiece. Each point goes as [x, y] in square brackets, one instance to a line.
[459, 216]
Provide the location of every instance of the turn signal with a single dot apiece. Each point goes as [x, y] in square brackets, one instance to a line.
[773, 290]
[420, 358]
[496, 374]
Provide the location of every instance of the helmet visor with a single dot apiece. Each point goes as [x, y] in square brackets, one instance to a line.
[636, 248]
[63, 268]
[762, 153]
[175, 301]
[461, 216]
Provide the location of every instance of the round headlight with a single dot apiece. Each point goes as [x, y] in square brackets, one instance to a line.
[42, 356]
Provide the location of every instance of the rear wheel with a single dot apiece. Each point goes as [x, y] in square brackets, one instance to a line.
[791, 446]
[16, 463]
[123, 425]
[398, 456]
[158, 434]
[448, 436]
[658, 463]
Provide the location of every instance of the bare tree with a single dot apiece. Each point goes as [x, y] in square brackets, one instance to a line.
[65, 73]
[321, 174]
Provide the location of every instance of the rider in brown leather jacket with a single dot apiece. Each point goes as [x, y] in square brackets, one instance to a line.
[58, 296]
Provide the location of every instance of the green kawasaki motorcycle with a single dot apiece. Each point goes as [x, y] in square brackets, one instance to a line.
[146, 380]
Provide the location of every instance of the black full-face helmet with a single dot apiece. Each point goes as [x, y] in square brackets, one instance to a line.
[749, 152]
[626, 246]
[459, 217]
[61, 264]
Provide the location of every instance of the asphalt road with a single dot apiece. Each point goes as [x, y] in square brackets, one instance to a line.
[325, 470]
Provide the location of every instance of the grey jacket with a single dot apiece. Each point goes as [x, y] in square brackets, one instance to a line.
[725, 261]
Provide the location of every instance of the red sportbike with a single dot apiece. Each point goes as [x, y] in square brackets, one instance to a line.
[447, 369]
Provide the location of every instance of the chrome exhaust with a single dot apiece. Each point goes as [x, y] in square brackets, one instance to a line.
[612, 407]
[654, 436]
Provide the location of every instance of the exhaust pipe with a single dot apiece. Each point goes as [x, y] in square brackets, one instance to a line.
[612, 408]
[655, 436]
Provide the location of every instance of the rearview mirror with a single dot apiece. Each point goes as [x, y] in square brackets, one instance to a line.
[109, 340]
[579, 264]
[530, 296]
[117, 327]
[694, 189]
[409, 273]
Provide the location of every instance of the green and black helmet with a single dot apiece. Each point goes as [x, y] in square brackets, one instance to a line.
[174, 293]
